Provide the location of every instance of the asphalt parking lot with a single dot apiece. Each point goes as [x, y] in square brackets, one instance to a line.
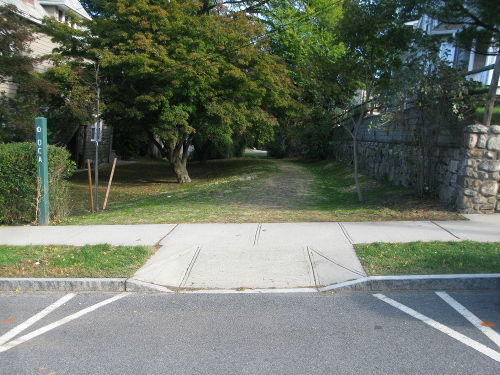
[296, 333]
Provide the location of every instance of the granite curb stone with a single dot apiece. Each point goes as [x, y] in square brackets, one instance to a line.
[419, 282]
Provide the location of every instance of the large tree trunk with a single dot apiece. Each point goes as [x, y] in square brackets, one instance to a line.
[179, 166]
[176, 154]
[178, 157]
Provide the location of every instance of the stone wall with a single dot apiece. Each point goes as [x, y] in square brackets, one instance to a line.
[462, 171]
[480, 172]
[390, 154]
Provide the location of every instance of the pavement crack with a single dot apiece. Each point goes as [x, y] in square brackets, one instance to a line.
[337, 264]
[165, 236]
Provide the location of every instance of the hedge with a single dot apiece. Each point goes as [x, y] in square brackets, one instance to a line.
[18, 183]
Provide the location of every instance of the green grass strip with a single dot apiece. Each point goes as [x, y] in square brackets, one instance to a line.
[70, 261]
[417, 258]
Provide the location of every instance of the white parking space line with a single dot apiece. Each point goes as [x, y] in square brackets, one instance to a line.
[58, 323]
[492, 335]
[35, 318]
[441, 327]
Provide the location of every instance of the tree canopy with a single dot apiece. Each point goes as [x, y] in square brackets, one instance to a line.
[179, 69]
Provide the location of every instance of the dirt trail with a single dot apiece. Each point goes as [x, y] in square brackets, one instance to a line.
[291, 187]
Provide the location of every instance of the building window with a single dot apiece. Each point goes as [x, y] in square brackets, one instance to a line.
[60, 16]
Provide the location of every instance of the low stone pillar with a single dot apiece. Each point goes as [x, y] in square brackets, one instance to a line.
[480, 170]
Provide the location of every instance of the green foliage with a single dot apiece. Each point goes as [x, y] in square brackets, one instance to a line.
[334, 49]
[305, 35]
[70, 99]
[18, 182]
[16, 71]
[15, 37]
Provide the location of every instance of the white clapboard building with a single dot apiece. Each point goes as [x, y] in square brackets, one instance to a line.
[34, 11]
[478, 60]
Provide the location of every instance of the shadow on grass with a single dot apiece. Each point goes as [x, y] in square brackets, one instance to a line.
[252, 190]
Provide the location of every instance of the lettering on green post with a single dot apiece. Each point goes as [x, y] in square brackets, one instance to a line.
[43, 170]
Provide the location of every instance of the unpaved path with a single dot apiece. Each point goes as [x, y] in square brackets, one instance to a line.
[291, 187]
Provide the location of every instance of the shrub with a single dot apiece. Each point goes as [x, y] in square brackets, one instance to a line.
[18, 182]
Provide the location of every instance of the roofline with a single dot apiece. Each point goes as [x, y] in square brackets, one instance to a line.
[84, 14]
[22, 14]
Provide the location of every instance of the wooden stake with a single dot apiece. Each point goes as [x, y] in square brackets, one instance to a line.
[90, 186]
[109, 184]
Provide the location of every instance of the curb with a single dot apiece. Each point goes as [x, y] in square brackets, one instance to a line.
[419, 282]
[367, 284]
[63, 284]
[79, 285]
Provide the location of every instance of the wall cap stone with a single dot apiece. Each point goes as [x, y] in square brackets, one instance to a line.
[495, 129]
[477, 128]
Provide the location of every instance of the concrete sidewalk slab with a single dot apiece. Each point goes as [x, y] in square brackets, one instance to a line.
[252, 256]
[481, 228]
[173, 262]
[330, 253]
[78, 235]
[400, 231]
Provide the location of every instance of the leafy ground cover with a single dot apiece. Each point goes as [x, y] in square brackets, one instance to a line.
[429, 258]
[70, 261]
[248, 190]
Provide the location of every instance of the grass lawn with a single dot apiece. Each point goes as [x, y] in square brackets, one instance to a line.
[247, 190]
[417, 258]
[70, 261]
[495, 120]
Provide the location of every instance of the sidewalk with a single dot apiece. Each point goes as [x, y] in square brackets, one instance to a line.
[279, 255]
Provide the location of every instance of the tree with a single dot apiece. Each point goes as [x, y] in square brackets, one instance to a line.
[16, 71]
[376, 40]
[70, 98]
[176, 69]
[304, 34]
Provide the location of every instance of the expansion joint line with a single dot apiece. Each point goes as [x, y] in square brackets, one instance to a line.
[446, 230]
[346, 234]
[190, 268]
[337, 264]
[257, 234]
[315, 277]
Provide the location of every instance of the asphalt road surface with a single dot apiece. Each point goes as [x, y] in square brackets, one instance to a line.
[300, 333]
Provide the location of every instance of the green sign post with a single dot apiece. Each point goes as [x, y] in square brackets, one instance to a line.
[43, 170]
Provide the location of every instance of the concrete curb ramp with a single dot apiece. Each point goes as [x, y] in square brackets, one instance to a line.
[373, 283]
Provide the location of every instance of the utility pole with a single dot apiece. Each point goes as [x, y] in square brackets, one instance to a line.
[492, 93]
